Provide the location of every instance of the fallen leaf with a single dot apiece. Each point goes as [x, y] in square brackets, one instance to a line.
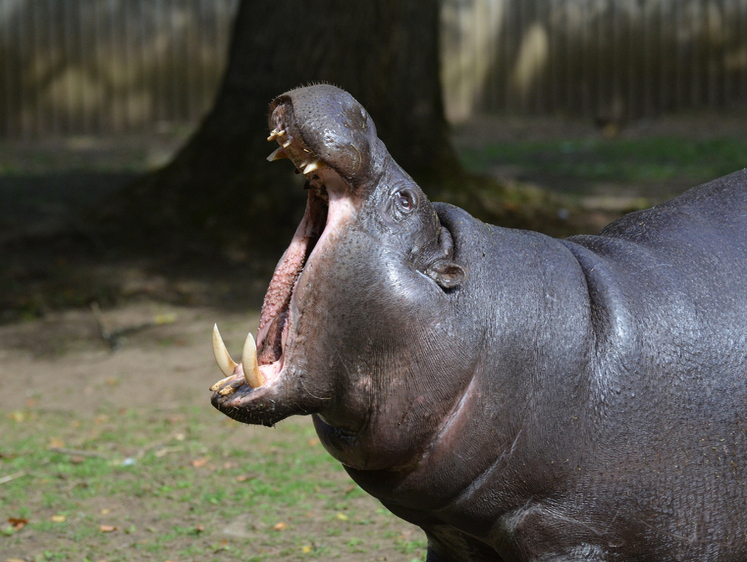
[105, 511]
[107, 528]
[14, 560]
[56, 443]
[342, 517]
[279, 526]
[199, 528]
[245, 477]
[313, 442]
[197, 463]
[18, 523]
[306, 548]
[17, 416]
[59, 518]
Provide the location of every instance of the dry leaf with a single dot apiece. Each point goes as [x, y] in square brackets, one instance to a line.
[279, 526]
[107, 528]
[342, 517]
[245, 477]
[56, 443]
[17, 416]
[18, 523]
[199, 528]
[197, 463]
[59, 518]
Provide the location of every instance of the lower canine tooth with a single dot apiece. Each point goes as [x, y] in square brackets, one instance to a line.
[222, 357]
[249, 360]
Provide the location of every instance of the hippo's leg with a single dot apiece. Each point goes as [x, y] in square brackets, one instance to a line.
[449, 545]
[585, 553]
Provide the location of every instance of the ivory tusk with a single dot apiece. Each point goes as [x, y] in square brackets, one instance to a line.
[222, 357]
[252, 374]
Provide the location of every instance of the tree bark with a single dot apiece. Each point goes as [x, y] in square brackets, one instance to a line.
[384, 52]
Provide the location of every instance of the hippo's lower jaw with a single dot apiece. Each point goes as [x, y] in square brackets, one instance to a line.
[257, 381]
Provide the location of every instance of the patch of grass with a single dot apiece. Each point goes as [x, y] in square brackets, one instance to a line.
[186, 485]
[616, 160]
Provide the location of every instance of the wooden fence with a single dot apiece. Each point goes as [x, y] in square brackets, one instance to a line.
[599, 58]
[110, 66]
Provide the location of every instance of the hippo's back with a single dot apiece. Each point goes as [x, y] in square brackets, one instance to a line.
[668, 305]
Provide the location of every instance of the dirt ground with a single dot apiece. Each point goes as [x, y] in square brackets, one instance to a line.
[62, 363]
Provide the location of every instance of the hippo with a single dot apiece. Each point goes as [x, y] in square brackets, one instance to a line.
[518, 397]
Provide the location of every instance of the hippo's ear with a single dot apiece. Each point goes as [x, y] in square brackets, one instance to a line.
[447, 274]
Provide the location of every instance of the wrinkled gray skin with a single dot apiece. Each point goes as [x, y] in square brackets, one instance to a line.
[516, 396]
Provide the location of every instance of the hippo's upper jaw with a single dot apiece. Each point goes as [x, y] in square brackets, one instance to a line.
[360, 203]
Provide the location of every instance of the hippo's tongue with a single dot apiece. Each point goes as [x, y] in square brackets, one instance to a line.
[273, 325]
[278, 297]
[273, 322]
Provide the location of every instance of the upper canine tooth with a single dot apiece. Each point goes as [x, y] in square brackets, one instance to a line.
[253, 375]
[311, 165]
[222, 357]
[279, 154]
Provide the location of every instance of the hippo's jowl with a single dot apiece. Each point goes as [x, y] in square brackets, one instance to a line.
[516, 396]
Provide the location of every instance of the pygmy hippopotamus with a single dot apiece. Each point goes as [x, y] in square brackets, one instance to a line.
[518, 397]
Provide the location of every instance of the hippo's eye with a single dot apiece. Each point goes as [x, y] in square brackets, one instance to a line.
[405, 201]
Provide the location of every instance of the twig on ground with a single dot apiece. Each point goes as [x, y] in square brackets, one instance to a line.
[13, 476]
[114, 337]
[78, 453]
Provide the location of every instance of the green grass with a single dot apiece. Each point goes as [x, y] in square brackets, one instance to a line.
[171, 483]
[616, 160]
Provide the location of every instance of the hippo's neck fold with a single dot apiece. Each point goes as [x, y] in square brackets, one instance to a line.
[526, 320]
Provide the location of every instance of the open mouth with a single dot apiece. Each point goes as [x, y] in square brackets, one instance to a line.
[262, 363]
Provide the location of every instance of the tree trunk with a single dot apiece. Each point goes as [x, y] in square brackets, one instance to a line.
[384, 52]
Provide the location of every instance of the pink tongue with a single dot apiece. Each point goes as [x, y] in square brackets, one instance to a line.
[277, 299]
